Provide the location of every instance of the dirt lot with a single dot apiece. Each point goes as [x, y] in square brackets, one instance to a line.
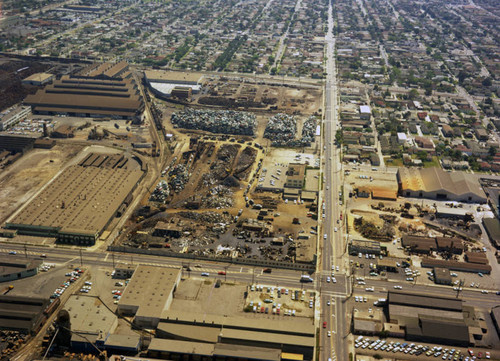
[21, 180]
[260, 97]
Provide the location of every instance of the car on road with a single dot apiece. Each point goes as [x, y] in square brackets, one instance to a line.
[328, 303]
[43, 255]
[324, 324]
[335, 229]
[324, 236]
[370, 289]
[12, 252]
[267, 270]
[329, 333]
[223, 273]
[205, 274]
[398, 287]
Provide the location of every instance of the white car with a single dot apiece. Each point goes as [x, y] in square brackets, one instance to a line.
[334, 280]
[328, 279]
[335, 229]
[398, 287]
[329, 333]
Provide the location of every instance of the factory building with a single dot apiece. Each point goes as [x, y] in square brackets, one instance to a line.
[173, 83]
[366, 247]
[435, 183]
[179, 333]
[149, 292]
[83, 97]
[78, 205]
[106, 71]
[24, 314]
[435, 319]
[12, 116]
[13, 268]
[39, 79]
[16, 144]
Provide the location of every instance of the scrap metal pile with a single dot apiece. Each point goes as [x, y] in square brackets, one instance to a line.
[178, 177]
[281, 130]
[218, 197]
[308, 131]
[160, 192]
[216, 121]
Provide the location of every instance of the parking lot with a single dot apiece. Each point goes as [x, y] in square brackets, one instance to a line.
[400, 349]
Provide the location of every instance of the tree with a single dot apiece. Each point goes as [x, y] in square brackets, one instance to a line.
[413, 94]
[487, 82]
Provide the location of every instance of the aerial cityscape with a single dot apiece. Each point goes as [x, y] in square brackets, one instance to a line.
[236, 180]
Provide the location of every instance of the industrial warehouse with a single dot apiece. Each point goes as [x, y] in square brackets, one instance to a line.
[76, 206]
[98, 91]
[172, 83]
[435, 183]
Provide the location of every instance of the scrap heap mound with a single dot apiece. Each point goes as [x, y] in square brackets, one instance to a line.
[221, 168]
[216, 121]
[281, 130]
[244, 164]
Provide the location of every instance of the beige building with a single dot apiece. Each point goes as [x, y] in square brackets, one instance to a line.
[149, 292]
[295, 175]
[435, 183]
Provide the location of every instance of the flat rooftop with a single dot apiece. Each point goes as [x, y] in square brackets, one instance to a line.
[149, 289]
[82, 198]
[88, 314]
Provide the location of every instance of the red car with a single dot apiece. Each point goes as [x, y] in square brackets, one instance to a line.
[471, 353]
[479, 355]
[267, 270]
[222, 272]
[324, 324]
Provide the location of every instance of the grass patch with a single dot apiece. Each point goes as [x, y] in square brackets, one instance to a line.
[207, 282]
[433, 163]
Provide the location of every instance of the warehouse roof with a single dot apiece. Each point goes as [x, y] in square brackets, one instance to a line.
[456, 266]
[81, 199]
[439, 328]
[41, 77]
[424, 301]
[492, 226]
[190, 332]
[267, 337]
[437, 180]
[183, 347]
[299, 327]
[10, 264]
[19, 312]
[90, 315]
[123, 341]
[247, 352]
[149, 289]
